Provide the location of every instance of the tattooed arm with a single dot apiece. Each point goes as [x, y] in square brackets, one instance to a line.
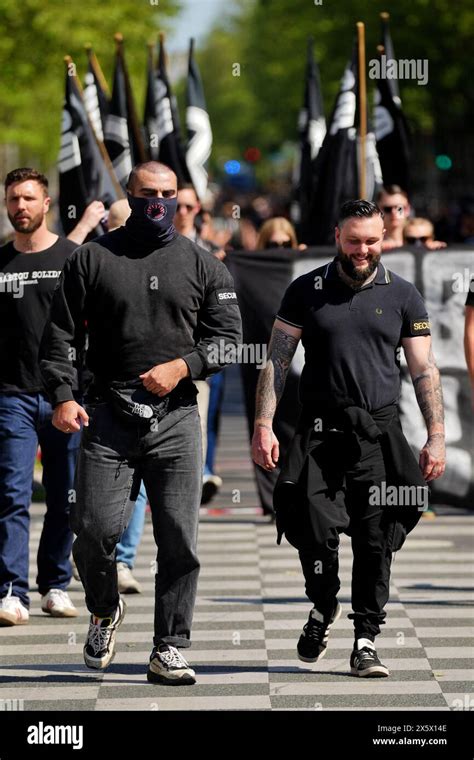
[427, 384]
[283, 343]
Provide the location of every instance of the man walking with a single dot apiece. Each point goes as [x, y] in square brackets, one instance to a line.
[155, 305]
[29, 269]
[349, 452]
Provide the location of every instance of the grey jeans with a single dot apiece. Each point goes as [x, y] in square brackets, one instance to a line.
[114, 455]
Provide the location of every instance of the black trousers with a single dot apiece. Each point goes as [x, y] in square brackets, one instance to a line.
[343, 467]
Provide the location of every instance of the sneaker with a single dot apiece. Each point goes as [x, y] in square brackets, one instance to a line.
[99, 648]
[168, 666]
[366, 664]
[75, 571]
[313, 641]
[127, 584]
[12, 611]
[210, 486]
[58, 604]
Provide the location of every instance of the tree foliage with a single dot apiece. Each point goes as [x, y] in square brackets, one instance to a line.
[36, 35]
[268, 38]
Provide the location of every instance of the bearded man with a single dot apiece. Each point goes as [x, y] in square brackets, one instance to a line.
[349, 468]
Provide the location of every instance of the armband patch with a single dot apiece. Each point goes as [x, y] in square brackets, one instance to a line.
[420, 326]
[225, 296]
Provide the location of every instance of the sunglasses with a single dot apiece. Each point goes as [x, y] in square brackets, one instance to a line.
[414, 240]
[187, 206]
[388, 209]
[273, 244]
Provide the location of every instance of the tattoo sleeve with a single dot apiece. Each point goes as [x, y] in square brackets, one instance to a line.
[429, 395]
[273, 376]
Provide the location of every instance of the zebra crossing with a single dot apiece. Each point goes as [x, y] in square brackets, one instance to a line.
[249, 614]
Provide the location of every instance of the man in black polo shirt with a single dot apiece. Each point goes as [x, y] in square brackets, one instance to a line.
[349, 452]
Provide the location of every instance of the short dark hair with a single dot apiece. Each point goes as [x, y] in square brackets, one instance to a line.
[391, 190]
[23, 174]
[155, 167]
[360, 209]
[188, 186]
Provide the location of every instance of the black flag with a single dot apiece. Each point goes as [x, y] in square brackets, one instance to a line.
[391, 129]
[85, 173]
[312, 129]
[336, 167]
[96, 95]
[123, 138]
[170, 149]
[199, 144]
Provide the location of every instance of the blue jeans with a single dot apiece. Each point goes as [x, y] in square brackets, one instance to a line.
[115, 454]
[25, 421]
[128, 546]
[216, 396]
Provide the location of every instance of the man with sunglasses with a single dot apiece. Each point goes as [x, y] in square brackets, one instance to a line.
[420, 232]
[394, 203]
[187, 209]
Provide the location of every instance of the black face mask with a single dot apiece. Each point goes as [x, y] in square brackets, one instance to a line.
[151, 220]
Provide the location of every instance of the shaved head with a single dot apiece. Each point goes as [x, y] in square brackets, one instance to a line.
[147, 168]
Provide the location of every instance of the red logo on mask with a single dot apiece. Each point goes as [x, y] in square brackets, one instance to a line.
[156, 211]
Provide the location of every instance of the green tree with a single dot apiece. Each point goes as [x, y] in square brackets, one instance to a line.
[269, 37]
[35, 37]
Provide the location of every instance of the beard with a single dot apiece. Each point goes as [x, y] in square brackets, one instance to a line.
[358, 275]
[27, 227]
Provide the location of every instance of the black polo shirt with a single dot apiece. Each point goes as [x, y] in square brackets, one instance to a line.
[351, 337]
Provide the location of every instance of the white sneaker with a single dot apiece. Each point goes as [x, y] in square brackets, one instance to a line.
[58, 604]
[12, 611]
[169, 667]
[127, 584]
[99, 649]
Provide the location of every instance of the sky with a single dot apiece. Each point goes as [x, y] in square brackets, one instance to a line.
[195, 20]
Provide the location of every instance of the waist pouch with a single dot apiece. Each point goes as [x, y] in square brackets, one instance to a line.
[134, 403]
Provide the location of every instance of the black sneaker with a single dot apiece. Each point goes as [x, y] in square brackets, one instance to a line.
[313, 641]
[168, 666]
[366, 664]
[99, 648]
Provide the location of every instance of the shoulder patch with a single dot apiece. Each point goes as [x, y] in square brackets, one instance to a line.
[224, 296]
[420, 326]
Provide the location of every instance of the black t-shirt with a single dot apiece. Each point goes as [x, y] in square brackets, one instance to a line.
[351, 338]
[27, 282]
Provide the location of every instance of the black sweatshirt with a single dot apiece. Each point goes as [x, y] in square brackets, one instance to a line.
[142, 308]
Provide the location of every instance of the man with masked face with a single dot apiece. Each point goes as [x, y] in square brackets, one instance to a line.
[349, 466]
[155, 305]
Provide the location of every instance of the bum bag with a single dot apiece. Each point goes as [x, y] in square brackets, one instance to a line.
[133, 402]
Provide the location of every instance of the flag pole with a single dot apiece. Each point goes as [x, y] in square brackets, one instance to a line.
[142, 157]
[97, 69]
[102, 149]
[362, 109]
[161, 38]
